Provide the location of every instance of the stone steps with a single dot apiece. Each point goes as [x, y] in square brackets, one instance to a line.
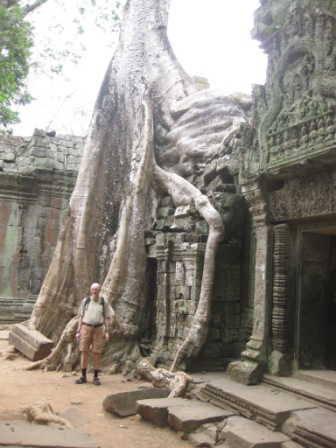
[304, 422]
[231, 415]
[312, 428]
[317, 389]
[268, 406]
[245, 433]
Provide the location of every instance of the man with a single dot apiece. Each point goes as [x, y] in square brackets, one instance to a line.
[93, 328]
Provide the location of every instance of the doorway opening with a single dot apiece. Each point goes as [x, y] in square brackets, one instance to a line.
[316, 313]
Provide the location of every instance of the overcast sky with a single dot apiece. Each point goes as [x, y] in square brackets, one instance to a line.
[210, 38]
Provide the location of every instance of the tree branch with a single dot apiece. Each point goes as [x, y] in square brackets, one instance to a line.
[33, 6]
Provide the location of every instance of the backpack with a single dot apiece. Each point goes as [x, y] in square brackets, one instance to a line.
[101, 300]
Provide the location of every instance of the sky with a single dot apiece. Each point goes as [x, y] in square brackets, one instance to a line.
[210, 39]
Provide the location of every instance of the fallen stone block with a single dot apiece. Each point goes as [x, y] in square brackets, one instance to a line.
[40, 436]
[123, 404]
[190, 418]
[156, 410]
[245, 433]
[291, 444]
[201, 440]
[31, 343]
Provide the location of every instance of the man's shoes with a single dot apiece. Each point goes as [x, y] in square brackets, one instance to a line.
[81, 380]
[96, 382]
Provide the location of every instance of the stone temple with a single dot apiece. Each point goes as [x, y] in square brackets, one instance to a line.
[274, 297]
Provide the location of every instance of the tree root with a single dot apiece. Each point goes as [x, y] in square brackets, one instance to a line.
[64, 355]
[42, 413]
[182, 192]
[177, 382]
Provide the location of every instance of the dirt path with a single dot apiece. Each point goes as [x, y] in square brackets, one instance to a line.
[20, 388]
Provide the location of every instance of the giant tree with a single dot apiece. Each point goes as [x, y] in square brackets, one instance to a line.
[149, 128]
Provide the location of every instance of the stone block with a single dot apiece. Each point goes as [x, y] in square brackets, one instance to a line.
[156, 410]
[123, 404]
[167, 201]
[246, 433]
[164, 212]
[28, 435]
[190, 418]
[179, 273]
[31, 343]
[312, 427]
[200, 439]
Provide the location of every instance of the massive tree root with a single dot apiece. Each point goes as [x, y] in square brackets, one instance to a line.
[183, 193]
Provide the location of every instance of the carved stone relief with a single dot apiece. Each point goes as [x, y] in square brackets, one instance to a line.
[301, 85]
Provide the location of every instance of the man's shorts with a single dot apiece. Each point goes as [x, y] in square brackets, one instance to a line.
[91, 336]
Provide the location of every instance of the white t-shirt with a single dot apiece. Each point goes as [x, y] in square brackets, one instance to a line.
[93, 313]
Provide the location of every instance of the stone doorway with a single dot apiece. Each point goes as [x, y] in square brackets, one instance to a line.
[315, 339]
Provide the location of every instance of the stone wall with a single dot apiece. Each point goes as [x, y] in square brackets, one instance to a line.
[287, 176]
[37, 176]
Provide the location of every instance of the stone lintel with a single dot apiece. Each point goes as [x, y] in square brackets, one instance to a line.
[31, 343]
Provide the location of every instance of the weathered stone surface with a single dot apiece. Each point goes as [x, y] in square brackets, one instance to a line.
[31, 343]
[74, 416]
[123, 404]
[30, 435]
[266, 405]
[37, 176]
[245, 433]
[201, 439]
[156, 410]
[312, 428]
[190, 418]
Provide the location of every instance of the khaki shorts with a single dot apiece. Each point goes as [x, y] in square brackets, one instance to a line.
[91, 336]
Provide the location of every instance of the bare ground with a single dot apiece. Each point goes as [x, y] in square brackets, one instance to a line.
[21, 388]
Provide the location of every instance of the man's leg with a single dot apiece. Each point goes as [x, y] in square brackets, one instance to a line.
[97, 348]
[84, 345]
[96, 363]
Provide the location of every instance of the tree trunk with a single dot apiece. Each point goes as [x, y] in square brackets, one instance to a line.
[147, 131]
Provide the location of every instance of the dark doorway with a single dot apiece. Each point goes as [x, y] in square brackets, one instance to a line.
[316, 329]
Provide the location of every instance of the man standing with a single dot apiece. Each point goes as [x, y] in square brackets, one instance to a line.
[93, 328]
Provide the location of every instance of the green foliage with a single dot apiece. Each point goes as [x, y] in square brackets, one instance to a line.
[15, 44]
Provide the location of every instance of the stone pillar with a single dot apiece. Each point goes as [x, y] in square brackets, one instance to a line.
[280, 359]
[254, 358]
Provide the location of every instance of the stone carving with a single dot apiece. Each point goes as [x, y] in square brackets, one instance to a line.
[280, 357]
[300, 114]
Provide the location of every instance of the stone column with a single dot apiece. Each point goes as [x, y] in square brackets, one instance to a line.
[254, 358]
[280, 359]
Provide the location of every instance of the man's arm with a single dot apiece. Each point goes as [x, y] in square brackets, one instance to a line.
[80, 322]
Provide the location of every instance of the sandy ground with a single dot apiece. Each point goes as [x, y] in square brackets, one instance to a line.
[20, 388]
